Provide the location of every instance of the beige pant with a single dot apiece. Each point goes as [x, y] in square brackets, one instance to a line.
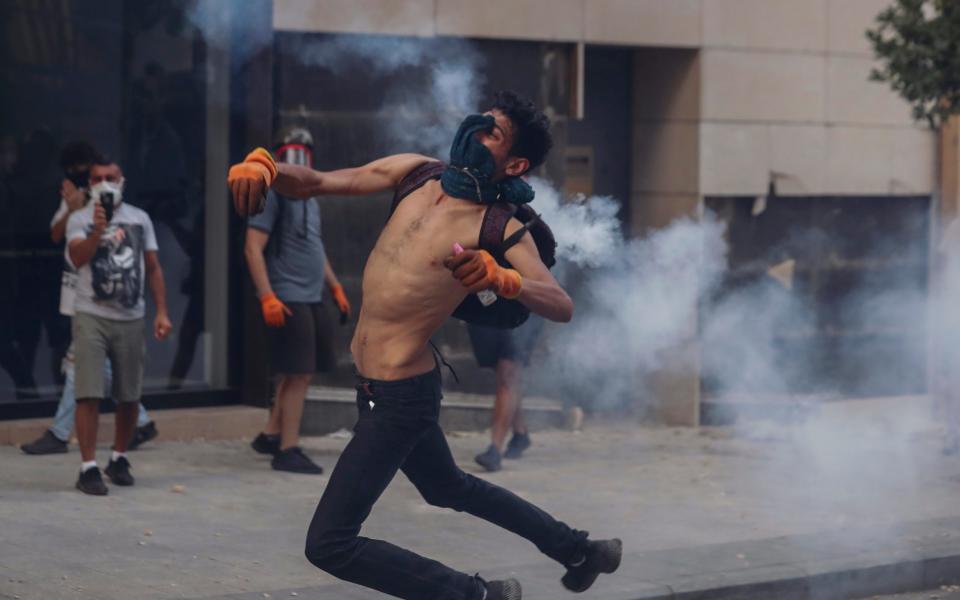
[95, 339]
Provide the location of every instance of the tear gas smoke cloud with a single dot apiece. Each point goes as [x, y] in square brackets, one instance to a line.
[645, 306]
[636, 299]
[419, 114]
[215, 20]
[439, 83]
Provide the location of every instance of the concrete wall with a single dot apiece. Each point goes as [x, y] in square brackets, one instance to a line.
[785, 88]
[626, 22]
[782, 85]
[665, 185]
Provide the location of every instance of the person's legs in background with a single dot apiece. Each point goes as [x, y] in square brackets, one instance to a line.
[124, 424]
[294, 359]
[291, 408]
[91, 346]
[268, 440]
[55, 439]
[520, 440]
[497, 349]
[507, 401]
[191, 328]
[87, 421]
[63, 420]
[507, 416]
[128, 352]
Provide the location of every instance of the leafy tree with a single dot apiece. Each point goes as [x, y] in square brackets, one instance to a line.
[918, 44]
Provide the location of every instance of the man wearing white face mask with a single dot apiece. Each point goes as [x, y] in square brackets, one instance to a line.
[75, 160]
[113, 247]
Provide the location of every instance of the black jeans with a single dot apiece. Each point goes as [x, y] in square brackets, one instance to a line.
[398, 429]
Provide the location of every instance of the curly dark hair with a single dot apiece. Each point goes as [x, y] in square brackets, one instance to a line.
[532, 138]
[77, 153]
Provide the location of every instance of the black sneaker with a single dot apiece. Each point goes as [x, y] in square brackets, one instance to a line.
[294, 460]
[90, 482]
[517, 444]
[489, 459]
[142, 435]
[508, 589]
[602, 556]
[45, 444]
[266, 444]
[119, 471]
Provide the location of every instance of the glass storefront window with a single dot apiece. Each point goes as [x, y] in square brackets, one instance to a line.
[130, 79]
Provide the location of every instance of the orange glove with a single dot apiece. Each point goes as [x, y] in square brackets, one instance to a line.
[274, 310]
[250, 180]
[343, 305]
[478, 271]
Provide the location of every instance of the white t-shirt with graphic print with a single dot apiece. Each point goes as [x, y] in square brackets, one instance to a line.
[111, 285]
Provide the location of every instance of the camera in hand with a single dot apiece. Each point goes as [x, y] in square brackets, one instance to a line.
[107, 202]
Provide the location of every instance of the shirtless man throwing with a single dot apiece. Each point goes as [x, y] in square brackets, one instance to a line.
[408, 293]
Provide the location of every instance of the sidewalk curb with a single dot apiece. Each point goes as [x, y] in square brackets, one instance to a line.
[823, 578]
[846, 576]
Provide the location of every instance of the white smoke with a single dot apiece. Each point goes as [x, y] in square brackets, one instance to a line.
[427, 84]
[420, 112]
[636, 299]
[223, 28]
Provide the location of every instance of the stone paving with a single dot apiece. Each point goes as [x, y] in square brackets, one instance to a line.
[211, 520]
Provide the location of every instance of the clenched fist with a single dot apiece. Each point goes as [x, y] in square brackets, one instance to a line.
[162, 326]
[250, 180]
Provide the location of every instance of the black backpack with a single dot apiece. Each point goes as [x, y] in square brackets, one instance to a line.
[504, 313]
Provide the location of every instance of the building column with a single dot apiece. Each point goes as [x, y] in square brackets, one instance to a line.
[665, 187]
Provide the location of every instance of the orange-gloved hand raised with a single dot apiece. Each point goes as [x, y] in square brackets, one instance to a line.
[343, 304]
[275, 312]
[477, 270]
[250, 180]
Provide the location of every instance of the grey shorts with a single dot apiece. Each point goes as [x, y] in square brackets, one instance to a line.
[95, 339]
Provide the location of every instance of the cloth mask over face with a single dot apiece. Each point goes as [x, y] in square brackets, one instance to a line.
[471, 168]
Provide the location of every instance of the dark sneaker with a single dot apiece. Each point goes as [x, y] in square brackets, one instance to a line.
[45, 444]
[517, 444]
[508, 589]
[142, 435]
[266, 444]
[119, 471]
[294, 460]
[602, 556]
[489, 459]
[90, 482]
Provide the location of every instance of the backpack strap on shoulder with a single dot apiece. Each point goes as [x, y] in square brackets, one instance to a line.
[415, 179]
[493, 226]
[517, 235]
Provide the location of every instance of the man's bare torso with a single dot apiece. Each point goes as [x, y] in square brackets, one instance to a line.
[407, 292]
